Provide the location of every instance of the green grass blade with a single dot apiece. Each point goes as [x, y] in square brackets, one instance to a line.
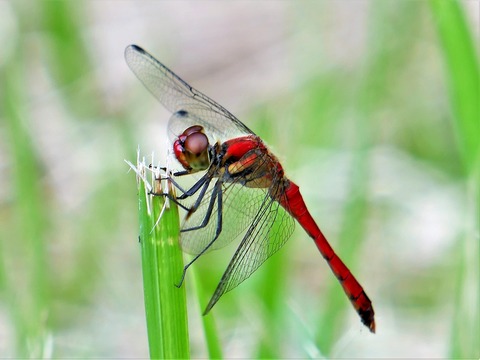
[214, 347]
[462, 72]
[67, 55]
[30, 223]
[162, 264]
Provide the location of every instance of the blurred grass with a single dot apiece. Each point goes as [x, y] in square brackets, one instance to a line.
[462, 73]
[48, 287]
[29, 222]
[67, 55]
[212, 339]
[34, 287]
[463, 78]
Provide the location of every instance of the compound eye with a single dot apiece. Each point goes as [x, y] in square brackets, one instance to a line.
[193, 129]
[196, 143]
[196, 151]
[192, 149]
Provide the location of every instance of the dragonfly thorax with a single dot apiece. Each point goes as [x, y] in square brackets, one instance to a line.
[192, 149]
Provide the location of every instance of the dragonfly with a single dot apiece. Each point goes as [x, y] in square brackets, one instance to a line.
[241, 190]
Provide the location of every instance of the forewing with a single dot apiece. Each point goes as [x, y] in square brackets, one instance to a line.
[270, 230]
[177, 96]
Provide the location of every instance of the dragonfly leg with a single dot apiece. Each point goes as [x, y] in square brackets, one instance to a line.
[209, 211]
[195, 206]
[175, 200]
[219, 197]
[193, 189]
[186, 193]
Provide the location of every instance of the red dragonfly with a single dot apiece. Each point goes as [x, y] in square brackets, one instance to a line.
[242, 190]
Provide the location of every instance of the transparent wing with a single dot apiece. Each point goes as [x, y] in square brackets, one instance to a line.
[270, 230]
[263, 222]
[180, 98]
[239, 208]
[265, 225]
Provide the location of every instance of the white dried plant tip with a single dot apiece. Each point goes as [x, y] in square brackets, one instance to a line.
[140, 171]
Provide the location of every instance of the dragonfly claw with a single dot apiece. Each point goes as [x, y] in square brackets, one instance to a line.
[179, 285]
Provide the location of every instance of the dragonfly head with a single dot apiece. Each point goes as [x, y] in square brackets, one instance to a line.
[192, 149]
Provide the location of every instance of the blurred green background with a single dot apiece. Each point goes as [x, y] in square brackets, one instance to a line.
[373, 108]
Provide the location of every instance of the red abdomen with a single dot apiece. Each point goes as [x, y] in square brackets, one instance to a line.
[294, 204]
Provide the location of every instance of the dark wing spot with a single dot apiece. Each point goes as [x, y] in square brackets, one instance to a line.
[182, 113]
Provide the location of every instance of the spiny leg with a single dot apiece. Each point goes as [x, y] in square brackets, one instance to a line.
[217, 193]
